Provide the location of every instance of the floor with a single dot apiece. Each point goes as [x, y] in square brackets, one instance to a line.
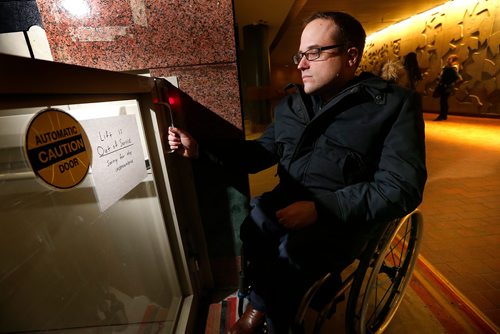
[461, 209]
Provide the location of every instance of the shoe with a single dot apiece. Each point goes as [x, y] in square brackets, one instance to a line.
[251, 322]
[439, 119]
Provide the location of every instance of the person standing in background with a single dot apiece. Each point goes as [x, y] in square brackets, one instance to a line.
[405, 73]
[448, 78]
[412, 70]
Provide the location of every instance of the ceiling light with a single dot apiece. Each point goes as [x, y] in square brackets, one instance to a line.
[78, 8]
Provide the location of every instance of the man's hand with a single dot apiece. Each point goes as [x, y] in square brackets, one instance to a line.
[182, 143]
[297, 215]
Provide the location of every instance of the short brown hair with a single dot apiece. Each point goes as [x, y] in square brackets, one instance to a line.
[352, 33]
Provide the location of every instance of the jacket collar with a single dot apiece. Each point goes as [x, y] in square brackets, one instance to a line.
[367, 82]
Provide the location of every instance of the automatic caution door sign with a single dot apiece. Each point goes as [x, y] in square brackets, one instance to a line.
[58, 149]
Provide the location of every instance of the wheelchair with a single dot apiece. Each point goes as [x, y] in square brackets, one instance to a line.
[374, 284]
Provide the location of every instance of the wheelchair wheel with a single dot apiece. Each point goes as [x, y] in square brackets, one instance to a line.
[383, 275]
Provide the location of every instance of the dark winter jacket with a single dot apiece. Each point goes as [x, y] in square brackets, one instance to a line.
[360, 157]
[448, 78]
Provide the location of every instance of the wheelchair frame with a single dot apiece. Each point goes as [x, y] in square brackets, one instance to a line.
[375, 287]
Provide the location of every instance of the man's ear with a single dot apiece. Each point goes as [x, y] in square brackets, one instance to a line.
[353, 56]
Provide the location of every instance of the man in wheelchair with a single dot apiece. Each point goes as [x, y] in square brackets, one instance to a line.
[350, 152]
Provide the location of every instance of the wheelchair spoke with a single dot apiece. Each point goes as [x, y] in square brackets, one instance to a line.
[392, 253]
[379, 303]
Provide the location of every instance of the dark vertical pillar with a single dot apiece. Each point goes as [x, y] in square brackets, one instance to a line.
[21, 30]
[256, 75]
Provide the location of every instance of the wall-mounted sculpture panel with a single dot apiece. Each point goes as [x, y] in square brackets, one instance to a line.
[467, 28]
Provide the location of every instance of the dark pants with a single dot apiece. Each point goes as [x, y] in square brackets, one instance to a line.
[284, 264]
[443, 105]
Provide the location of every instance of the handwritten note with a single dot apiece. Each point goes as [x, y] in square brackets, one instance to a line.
[117, 157]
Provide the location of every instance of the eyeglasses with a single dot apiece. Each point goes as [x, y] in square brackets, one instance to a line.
[313, 54]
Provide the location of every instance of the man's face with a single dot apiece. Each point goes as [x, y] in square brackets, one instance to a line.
[329, 73]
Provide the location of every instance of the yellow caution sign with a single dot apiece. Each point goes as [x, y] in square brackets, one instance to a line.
[57, 148]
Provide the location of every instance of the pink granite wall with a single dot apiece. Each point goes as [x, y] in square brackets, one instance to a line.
[194, 40]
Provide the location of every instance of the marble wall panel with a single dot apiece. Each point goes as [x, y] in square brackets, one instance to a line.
[126, 35]
[216, 87]
[193, 40]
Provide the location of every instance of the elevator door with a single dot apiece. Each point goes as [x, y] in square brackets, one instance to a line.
[66, 265]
